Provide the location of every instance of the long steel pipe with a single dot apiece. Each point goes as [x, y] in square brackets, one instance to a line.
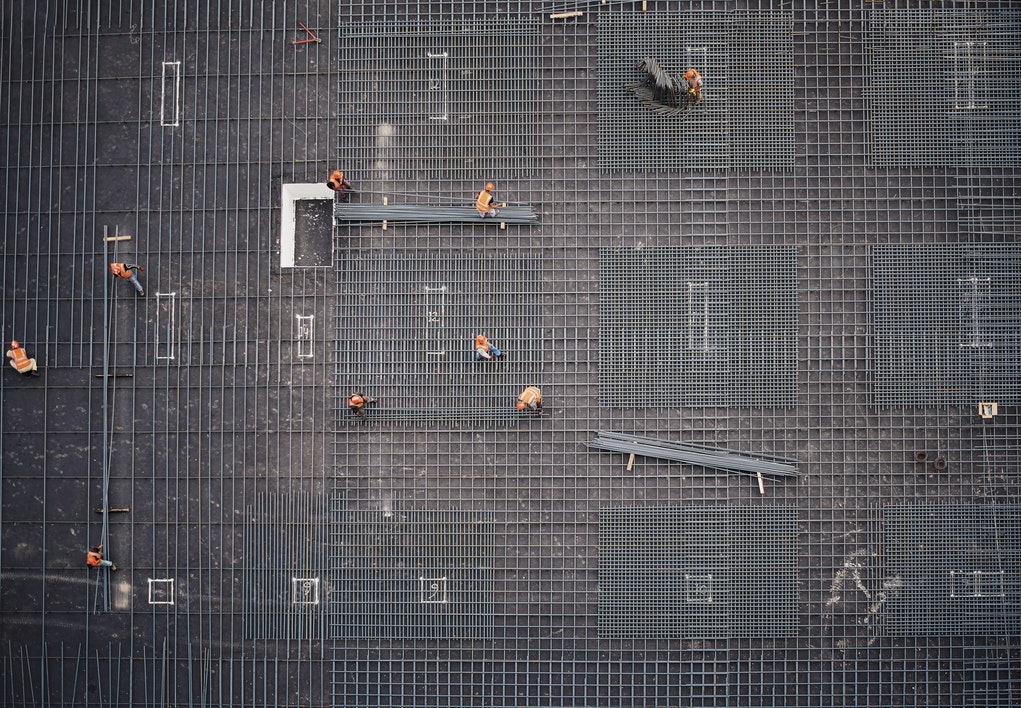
[716, 458]
[420, 213]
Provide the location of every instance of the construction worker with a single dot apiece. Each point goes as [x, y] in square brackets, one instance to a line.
[20, 361]
[127, 271]
[694, 84]
[484, 201]
[339, 185]
[95, 559]
[484, 349]
[357, 402]
[530, 400]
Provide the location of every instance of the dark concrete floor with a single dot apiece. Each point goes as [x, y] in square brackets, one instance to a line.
[272, 541]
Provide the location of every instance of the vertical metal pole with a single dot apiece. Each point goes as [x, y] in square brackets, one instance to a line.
[106, 417]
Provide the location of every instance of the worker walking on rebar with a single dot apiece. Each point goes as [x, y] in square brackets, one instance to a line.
[20, 360]
[95, 559]
[127, 271]
[484, 201]
[484, 349]
[339, 184]
[357, 402]
[530, 400]
[694, 84]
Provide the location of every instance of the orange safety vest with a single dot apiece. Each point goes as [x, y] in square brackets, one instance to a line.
[695, 82]
[120, 270]
[336, 179]
[531, 396]
[94, 558]
[20, 360]
[484, 202]
[482, 345]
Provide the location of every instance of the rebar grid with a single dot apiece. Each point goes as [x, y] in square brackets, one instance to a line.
[241, 412]
[697, 326]
[946, 322]
[747, 116]
[942, 88]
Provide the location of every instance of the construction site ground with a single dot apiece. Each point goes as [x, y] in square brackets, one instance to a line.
[817, 264]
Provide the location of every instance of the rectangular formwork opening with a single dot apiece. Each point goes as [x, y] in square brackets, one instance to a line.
[170, 94]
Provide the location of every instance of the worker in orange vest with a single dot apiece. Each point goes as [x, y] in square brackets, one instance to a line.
[339, 185]
[127, 271]
[20, 361]
[694, 84]
[484, 349]
[484, 201]
[357, 402]
[530, 399]
[95, 559]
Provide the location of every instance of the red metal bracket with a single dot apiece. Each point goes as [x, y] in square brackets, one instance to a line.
[311, 36]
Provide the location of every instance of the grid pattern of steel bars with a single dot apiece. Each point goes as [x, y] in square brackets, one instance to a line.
[746, 118]
[942, 86]
[697, 326]
[444, 100]
[244, 412]
[190, 437]
[947, 322]
[953, 569]
[698, 572]
[406, 325]
[285, 556]
[410, 574]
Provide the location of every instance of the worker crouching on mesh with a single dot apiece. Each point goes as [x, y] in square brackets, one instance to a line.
[94, 558]
[20, 360]
[484, 349]
[127, 271]
[484, 201]
[530, 400]
[694, 84]
[339, 184]
[357, 402]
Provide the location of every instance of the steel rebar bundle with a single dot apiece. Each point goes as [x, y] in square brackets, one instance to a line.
[716, 458]
[421, 213]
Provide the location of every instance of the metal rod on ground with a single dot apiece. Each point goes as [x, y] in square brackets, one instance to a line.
[686, 448]
[106, 415]
[418, 213]
[671, 444]
[695, 455]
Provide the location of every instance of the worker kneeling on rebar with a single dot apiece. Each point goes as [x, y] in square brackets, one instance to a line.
[485, 349]
[20, 361]
[530, 400]
[484, 201]
[694, 79]
[357, 402]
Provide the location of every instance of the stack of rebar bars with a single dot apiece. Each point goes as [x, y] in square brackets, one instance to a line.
[420, 213]
[716, 458]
